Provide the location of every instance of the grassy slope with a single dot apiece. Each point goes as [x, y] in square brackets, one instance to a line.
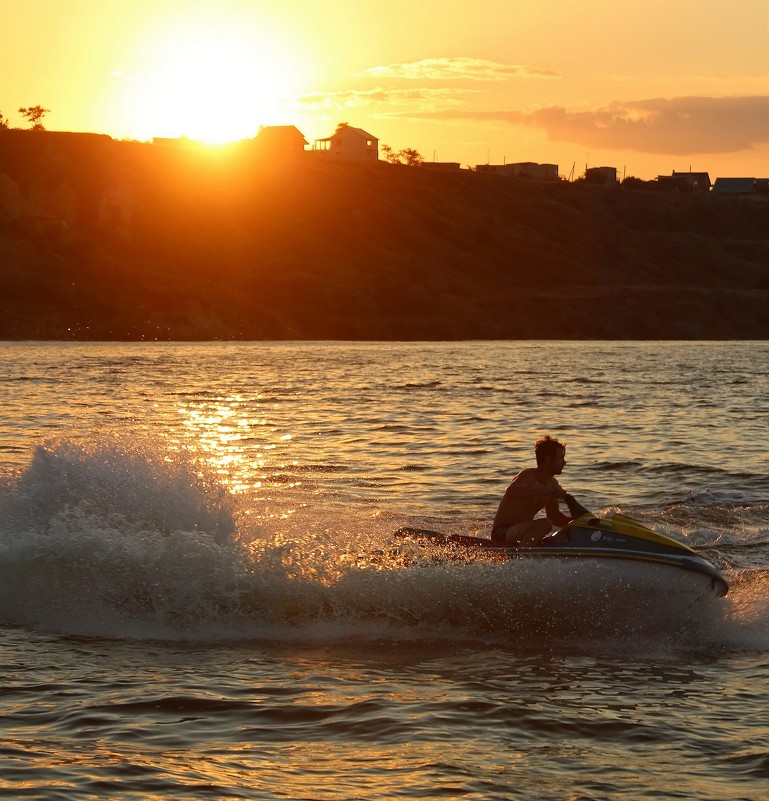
[234, 248]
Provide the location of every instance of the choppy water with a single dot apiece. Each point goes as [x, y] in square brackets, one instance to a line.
[200, 596]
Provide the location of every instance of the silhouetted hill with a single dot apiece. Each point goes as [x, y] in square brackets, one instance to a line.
[118, 240]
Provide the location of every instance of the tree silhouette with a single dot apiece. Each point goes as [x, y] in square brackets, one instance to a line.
[34, 115]
[407, 156]
[411, 157]
[388, 153]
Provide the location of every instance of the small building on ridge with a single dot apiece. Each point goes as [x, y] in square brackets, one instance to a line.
[280, 141]
[604, 176]
[349, 144]
[734, 186]
[522, 169]
[685, 181]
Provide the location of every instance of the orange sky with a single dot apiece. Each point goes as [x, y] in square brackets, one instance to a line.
[648, 88]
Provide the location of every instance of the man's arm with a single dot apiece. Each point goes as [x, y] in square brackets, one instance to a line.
[554, 513]
[552, 509]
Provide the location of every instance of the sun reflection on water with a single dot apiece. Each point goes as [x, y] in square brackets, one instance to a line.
[241, 447]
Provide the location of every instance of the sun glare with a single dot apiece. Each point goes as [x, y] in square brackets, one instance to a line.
[214, 80]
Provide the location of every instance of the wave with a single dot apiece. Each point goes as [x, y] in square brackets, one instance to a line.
[677, 470]
[121, 539]
[630, 465]
[412, 385]
[122, 476]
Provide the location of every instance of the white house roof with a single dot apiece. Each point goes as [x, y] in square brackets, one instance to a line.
[357, 131]
[360, 132]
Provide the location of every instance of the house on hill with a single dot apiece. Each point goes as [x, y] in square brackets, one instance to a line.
[605, 176]
[280, 141]
[444, 166]
[697, 181]
[522, 169]
[734, 186]
[349, 144]
[686, 181]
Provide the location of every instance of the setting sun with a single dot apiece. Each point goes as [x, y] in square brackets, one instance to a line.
[213, 79]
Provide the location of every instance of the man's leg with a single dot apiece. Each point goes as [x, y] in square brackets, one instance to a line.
[528, 533]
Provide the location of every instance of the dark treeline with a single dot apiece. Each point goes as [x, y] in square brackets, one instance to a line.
[122, 240]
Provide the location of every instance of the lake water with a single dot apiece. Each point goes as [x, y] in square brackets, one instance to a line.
[201, 596]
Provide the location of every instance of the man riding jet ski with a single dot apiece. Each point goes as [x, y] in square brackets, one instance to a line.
[516, 532]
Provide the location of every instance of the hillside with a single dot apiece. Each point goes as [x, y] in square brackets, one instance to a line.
[114, 240]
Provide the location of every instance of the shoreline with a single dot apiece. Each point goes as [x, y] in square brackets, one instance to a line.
[115, 241]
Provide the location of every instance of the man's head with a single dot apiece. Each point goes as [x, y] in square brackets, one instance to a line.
[549, 452]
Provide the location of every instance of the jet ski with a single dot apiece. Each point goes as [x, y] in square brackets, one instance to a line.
[634, 554]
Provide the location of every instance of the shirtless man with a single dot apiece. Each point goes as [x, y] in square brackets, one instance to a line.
[533, 489]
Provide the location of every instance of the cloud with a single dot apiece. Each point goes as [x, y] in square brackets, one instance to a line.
[425, 100]
[457, 69]
[675, 126]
